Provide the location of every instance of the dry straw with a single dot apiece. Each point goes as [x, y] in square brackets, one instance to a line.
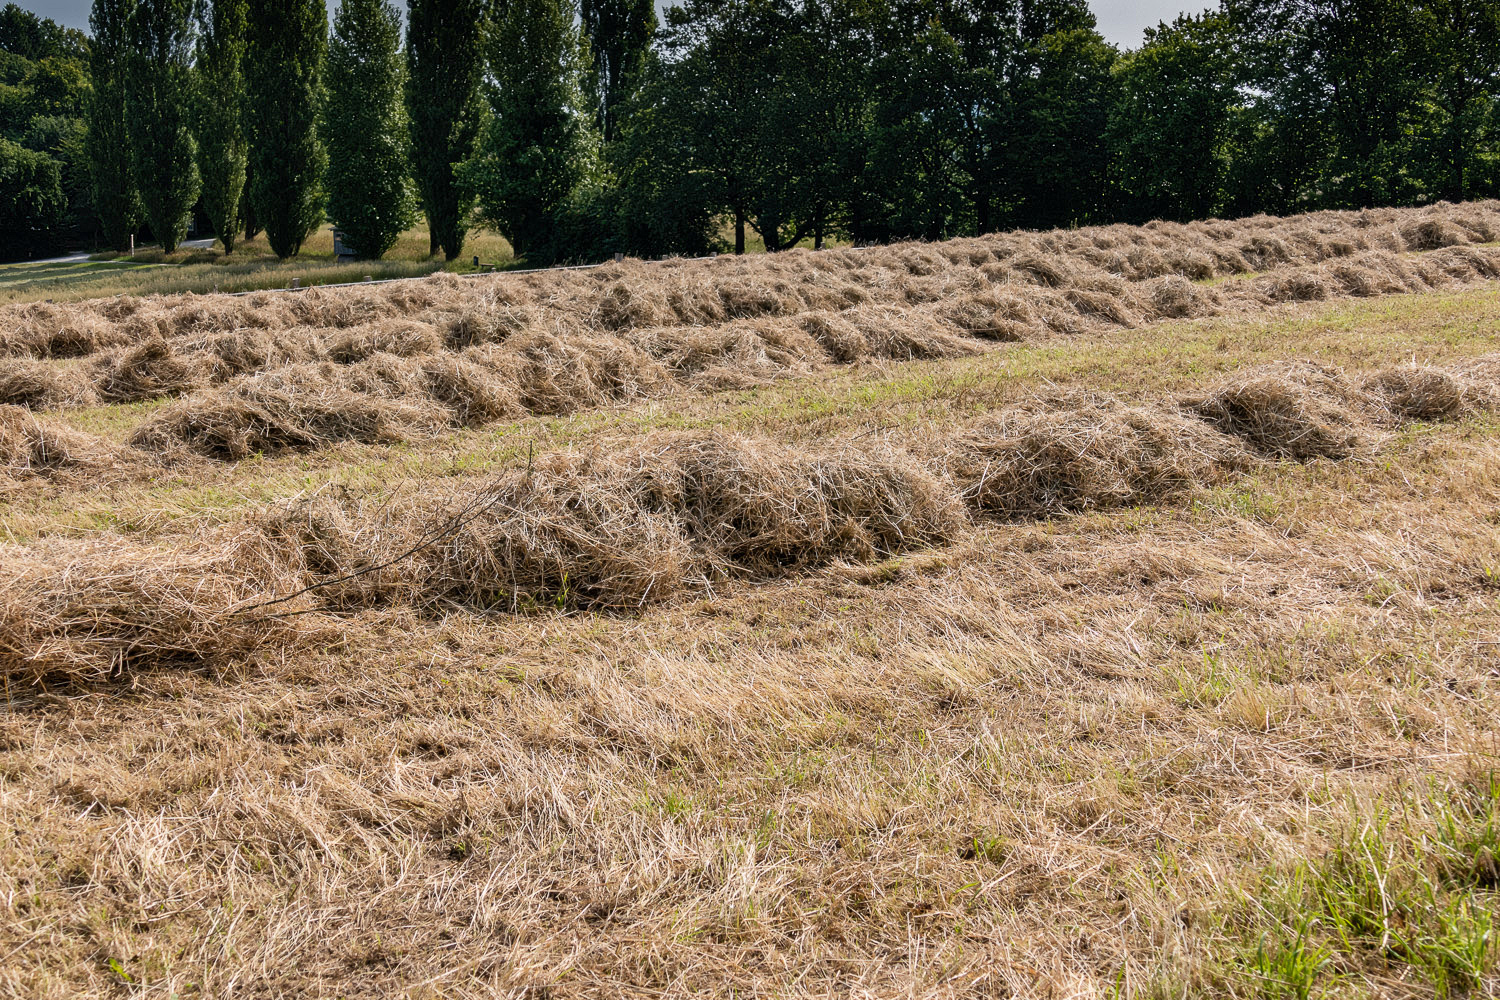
[624, 525]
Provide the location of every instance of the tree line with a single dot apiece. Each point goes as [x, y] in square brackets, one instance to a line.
[579, 131]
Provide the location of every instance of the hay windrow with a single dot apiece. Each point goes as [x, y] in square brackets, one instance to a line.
[149, 371]
[271, 414]
[1419, 392]
[38, 385]
[1293, 410]
[1081, 451]
[88, 609]
[31, 446]
[625, 528]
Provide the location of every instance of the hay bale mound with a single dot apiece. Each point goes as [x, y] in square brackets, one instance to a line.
[556, 375]
[755, 508]
[1081, 451]
[401, 338]
[836, 335]
[85, 610]
[908, 335]
[1432, 234]
[474, 395]
[27, 445]
[38, 385]
[1423, 393]
[1175, 297]
[1290, 410]
[281, 411]
[738, 355]
[488, 322]
[243, 352]
[149, 371]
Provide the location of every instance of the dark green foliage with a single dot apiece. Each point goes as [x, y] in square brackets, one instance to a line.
[619, 34]
[369, 195]
[219, 98]
[31, 199]
[538, 144]
[285, 46]
[35, 38]
[112, 180]
[1173, 119]
[158, 96]
[1459, 61]
[443, 67]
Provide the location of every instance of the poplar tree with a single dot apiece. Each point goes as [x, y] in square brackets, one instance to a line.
[157, 95]
[108, 140]
[369, 193]
[285, 45]
[219, 101]
[538, 144]
[619, 34]
[443, 66]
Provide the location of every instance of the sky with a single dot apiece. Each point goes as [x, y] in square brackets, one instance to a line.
[1120, 21]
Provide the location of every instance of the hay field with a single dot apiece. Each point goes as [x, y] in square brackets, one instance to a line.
[1106, 613]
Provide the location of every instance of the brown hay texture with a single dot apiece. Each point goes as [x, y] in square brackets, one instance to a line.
[627, 524]
[88, 609]
[146, 372]
[557, 342]
[624, 528]
[30, 446]
[1419, 392]
[1081, 451]
[1295, 410]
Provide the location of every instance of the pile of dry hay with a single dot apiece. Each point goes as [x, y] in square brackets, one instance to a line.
[30, 446]
[1070, 453]
[638, 523]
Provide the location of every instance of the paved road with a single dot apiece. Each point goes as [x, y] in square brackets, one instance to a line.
[83, 255]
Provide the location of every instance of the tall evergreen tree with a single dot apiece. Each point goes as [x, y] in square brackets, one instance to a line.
[286, 42]
[369, 193]
[157, 109]
[619, 34]
[108, 141]
[219, 101]
[443, 66]
[538, 143]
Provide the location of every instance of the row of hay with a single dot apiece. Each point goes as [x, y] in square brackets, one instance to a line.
[385, 397]
[735, 354]
[706, 293]
[625, 527]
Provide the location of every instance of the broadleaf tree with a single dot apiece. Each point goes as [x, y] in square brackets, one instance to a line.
[619, 34]
[538, 143]
[111, 177]
[285, 46]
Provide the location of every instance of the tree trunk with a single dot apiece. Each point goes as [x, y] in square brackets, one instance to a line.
[739, 229]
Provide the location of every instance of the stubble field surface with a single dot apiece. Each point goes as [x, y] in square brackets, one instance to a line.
[1105, 613]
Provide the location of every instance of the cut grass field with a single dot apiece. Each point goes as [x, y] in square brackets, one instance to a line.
[1119, 661]
[251, 267]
